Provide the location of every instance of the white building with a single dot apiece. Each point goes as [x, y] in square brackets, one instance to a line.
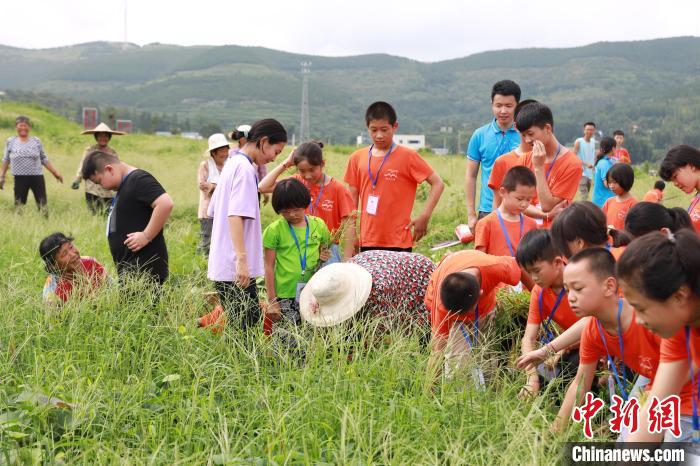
[414, 141]
[191, 135]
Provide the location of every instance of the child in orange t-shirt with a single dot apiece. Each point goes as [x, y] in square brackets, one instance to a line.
[330, 199]
[549, 306]
[620, 179]
[383, 179]
[682, 166]
[499, 233]
[655, 195]
[612, 332]
[462, 290]
[660, 276]
[558, 170]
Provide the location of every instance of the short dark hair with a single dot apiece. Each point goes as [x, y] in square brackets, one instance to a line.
[678, 157]
[459, 292]
[381, 111]
[95, 163]
[660, 185]
[583, 220]
[521, 104]
[23, 119]
[657, 265]
[622, 174]
[646, 217]
[269, 128]
[290, 193]
[518, 175]
[48, 248]
[589, 123]
[311, 152]
[506, 87]
[534, 114]
[618, 132]
[600, 261]
[536, 246]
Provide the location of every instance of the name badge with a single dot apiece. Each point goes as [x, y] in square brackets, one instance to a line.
[300, 286]
[539, 221]
[372, 204]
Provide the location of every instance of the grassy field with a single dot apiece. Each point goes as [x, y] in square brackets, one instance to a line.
[147, 387]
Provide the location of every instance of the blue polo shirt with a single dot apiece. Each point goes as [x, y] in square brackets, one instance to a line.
[487, 144]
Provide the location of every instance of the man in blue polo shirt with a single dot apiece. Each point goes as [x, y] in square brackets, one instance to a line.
[492, 140]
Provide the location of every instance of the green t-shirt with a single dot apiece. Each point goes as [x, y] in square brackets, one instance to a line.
[277, 236]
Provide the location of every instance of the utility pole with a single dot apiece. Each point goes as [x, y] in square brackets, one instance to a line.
[304, 129]
[125, 42]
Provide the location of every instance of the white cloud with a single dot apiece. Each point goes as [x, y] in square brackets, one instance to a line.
[428, 30]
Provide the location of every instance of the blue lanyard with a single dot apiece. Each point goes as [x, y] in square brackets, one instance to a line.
[505, 231]
[553, 162]
[694, 391]
[369, 164]
[550, 336]
[694, 203]
[502, 147]
[302, 259]
[476, 330]
[620, 383]
[320, 193]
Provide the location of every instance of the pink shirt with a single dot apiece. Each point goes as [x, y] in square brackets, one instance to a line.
[235, 195]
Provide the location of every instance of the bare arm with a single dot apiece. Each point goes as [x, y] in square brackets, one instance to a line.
[669, 380]
[162, 207]
[571, 336]
[528, 344]
[470, 188]
[420, 225]
[270, 256]
[267, 184]
[352, 235]
[3, 172]
[574, 395]
[49, 166]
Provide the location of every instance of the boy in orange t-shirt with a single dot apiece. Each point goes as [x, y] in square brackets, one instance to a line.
[499, 233]
[611, 332]
[655, 195]
[383, 179]
[462, 290]
[549, 306]
[558, 170]
[620, 179]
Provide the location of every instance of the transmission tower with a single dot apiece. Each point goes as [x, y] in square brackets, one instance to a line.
[304, 130]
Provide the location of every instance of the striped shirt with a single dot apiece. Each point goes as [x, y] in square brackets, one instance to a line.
[26, 158]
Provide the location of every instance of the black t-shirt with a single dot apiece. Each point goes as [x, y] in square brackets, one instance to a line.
[131, 213]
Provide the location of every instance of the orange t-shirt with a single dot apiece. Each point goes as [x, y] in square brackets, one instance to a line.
[396, 188]
[674, 349]
[694, 212]
[654, 195]
[564, 317]
[490, 238]
[622, 155]
[616, 211]
[493, 269]
[642, 347]
[501, 166]
[334, 205]
[564, 177]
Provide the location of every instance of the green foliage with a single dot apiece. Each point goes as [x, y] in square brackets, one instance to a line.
[619, 85]
[117, 378]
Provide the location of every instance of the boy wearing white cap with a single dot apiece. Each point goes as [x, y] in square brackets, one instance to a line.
[207, 178]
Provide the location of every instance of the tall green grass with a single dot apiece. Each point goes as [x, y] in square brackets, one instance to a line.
[147, 387]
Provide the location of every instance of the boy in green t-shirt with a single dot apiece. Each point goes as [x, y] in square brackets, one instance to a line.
[294, 246]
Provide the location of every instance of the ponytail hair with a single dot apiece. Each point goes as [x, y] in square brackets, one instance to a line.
[646, 217]
[310, 151]
[267, 128]
[657, 265]
[607, 144]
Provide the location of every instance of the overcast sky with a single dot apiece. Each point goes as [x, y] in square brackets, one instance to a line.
[428, 31]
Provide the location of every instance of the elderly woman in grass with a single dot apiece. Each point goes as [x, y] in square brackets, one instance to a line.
[70, 274]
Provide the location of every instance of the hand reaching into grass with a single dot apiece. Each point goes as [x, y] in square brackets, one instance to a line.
[273, 312]
[531, 359]
[531, 388]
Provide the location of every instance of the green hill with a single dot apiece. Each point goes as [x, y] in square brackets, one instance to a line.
[649, 88]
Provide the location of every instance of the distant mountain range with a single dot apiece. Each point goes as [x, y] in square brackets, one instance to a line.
[649, 88]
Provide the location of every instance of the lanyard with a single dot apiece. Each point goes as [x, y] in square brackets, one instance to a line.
[502, 147]
[550, 336]
[553, 162]
[505, 231]
[695, 391]
[694, 203]
[369, 165]
[314, 206]
[476, 330]
[620, 383]
[302, 259]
